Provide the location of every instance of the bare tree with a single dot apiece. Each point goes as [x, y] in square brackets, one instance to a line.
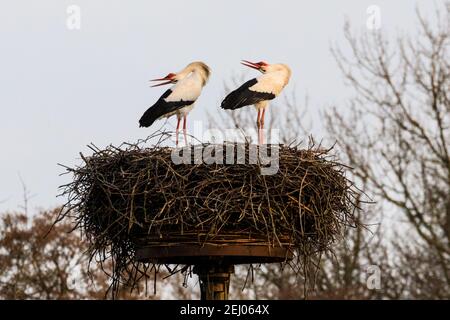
[396, 133]
[38, 264]
[34, 267]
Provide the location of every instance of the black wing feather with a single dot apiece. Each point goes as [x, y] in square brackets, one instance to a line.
[243, 96]
[160, 108]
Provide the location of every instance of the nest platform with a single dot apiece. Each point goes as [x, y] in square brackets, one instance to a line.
[138, 207]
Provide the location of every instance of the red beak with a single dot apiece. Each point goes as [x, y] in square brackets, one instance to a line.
[170, 79]
[253, 65]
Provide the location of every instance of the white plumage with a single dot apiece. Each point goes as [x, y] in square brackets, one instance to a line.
[180, 98]
[275, 78]
[259, 91]
[188, 89]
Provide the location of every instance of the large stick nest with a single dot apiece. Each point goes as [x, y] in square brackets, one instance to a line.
[124, 197]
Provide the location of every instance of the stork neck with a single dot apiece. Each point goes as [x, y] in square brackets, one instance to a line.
[199, 74]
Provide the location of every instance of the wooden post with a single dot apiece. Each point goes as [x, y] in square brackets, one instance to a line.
[214, 281]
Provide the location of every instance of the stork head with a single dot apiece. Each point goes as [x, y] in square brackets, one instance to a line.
[261, 66]
[170, 78]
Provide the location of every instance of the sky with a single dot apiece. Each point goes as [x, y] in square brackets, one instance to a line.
[64, 88]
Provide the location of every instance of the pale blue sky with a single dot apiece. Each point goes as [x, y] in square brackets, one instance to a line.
[62, 89]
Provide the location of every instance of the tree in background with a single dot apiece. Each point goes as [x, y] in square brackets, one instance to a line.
[38, 264]
[396, 134]
[33, 266]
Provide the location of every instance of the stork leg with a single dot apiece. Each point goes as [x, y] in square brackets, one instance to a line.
[184, 130]
[258, 124]
[262, 125]
[176, 131]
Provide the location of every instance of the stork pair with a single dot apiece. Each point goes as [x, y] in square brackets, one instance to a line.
[189, 82]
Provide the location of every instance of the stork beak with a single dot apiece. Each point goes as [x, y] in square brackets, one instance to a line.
[253, 65]
[170, 79]
[161, 84]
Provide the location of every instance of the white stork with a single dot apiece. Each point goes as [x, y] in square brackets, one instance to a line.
[179, 99]
[259, 91]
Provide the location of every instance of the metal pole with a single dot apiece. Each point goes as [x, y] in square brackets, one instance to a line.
[214, 281]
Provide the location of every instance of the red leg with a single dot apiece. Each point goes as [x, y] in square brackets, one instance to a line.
[176, 132]
[184, 129]
[262, 126]
[258, 124]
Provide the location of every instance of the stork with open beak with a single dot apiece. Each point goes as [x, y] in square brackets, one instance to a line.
[180, 98]
[259, 91]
